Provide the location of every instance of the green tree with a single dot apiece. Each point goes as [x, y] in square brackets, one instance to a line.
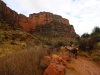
[82, 44]
[96, 30]
[85, 35]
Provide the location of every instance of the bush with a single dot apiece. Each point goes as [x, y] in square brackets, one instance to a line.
[85, 35]
[82, 44]
[96, 30]
[90, 41]
[97, 45]
[23, 62]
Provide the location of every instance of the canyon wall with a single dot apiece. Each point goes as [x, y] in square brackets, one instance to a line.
[36, 22]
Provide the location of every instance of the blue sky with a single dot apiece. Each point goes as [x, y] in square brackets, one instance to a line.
[84, 15]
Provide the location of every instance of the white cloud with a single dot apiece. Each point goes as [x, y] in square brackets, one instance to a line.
[82, 14]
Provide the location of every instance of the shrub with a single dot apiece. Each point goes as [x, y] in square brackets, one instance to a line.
[60, 43]
[82, 44]
[97, 45]
[96, 30]
[23, 62]
[85, 35]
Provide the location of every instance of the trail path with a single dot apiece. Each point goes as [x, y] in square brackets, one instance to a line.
[83, 66]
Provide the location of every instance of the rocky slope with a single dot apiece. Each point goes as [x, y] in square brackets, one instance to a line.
[37, 22]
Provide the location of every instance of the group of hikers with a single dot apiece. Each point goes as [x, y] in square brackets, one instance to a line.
[72, 51]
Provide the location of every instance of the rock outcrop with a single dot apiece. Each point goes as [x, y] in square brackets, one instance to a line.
[55, 69]
[43, 21]
[37, 22]
[8, 15]
[56, 65]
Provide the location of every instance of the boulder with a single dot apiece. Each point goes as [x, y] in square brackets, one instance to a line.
[44, 62]
[54, 69]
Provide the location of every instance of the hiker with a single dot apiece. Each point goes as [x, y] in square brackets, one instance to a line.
[69, 51]
[68, 48]
[74, 52]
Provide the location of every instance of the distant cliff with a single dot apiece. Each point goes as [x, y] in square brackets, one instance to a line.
[40, 19]
[37, 22]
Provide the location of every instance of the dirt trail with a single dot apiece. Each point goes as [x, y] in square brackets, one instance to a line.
[83, 66]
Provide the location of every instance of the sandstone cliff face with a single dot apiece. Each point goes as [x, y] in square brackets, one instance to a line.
[37, 22]
[47, 17]
[24, 22]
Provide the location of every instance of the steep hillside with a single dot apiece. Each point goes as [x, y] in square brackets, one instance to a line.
[13, 39]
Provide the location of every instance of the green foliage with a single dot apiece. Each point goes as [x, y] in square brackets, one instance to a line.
[59, 44]
[95, 56]
[85, 35]
[52, 39]
[89, 42]
[82, 44]
[97, 46]
[96, 30]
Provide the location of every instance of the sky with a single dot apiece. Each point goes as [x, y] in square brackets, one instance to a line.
[84, 15]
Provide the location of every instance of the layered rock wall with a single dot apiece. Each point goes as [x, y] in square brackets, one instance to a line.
[35, 22]
[47, 17]
[40, 19]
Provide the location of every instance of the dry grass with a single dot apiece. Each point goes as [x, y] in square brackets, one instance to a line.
[23, 62]
[14, 40]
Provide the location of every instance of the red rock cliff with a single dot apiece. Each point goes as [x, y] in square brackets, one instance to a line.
[46, 17]
[7, 14]
[41, 18]
[36, 22]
